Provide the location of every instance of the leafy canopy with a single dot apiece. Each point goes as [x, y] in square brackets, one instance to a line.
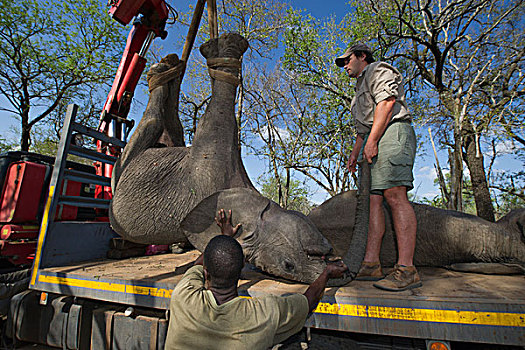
[53, 53]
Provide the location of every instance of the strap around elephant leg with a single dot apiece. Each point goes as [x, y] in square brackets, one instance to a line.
[221, 75]
[159, 79]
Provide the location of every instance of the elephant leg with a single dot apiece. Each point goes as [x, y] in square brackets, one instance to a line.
[144, 137]
[217, 131]
[160, 125]
[489, 268]
[215, 147]
[170, 67]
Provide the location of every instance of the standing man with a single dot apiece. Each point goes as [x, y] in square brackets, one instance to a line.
[386, 139]
[206, 311]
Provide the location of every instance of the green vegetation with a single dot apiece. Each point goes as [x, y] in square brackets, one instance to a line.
[53, 53]
[290, 194]
[463, 62]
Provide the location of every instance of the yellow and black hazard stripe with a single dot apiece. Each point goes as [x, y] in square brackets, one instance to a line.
[489, 318]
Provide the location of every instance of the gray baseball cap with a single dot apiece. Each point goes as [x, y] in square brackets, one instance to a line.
[340, 61]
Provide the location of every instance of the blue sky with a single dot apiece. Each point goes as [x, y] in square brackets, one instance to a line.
[423, 169]
[322, 9]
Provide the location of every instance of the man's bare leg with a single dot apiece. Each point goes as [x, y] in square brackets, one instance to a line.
[376, 229]
[405, 224]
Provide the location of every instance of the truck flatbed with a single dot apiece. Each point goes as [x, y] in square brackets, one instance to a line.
[450, 306]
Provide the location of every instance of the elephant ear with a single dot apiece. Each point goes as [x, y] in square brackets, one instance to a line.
[246, 205]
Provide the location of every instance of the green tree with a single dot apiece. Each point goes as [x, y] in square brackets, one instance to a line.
[53, 53]
[4, 145]
[290, 193]
[310, 49]
[468, 56]
[300, 108]
[438, 201]
[297, 133]
[463, 64]
[509, 186]
[260, 23]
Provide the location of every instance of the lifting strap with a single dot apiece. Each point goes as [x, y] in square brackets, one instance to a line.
[162, 78]
[221, 75]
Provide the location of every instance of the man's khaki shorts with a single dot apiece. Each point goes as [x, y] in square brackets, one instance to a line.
[393, 164]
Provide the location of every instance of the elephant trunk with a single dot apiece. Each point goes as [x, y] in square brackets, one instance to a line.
[356, 251]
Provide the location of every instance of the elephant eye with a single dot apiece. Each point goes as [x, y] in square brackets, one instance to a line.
[288, 266]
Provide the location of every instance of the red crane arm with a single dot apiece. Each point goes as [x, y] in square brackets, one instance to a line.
[113, 119]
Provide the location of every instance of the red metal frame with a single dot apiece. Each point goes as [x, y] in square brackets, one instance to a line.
[21, 190]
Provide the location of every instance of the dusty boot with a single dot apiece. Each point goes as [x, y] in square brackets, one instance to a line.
[401, 278]
[369, 271]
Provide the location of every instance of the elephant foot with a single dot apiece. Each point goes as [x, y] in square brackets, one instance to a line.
[169, 68]
[489, 268]
[223, 56]
[230, 45]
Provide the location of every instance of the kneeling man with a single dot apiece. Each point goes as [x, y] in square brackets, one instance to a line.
[206, 311]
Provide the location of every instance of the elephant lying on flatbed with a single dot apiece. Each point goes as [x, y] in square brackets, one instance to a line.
[444, 237]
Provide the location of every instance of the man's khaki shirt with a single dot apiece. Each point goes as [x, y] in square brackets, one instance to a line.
[377, 82]
[197, 322]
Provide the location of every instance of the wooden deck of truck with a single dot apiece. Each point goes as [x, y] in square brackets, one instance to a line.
[450, 306]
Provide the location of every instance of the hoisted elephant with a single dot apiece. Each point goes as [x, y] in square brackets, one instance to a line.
[158, 181]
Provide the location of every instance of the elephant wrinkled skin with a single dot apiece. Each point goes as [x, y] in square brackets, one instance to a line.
[282, 242]
[159, 183]
[444, 237]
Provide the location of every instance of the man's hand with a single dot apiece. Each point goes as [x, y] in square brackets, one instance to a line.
[336, 269]
[370, 150]
[352, 162]
[315, 291]
[225, 223]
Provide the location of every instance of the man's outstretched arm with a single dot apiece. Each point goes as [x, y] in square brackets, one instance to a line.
[315, 291]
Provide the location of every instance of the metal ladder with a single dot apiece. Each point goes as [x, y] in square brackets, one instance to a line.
[60, 174]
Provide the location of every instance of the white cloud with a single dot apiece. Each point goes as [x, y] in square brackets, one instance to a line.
[431, 194]
[503, 147]
[427, 173]
[284, 134]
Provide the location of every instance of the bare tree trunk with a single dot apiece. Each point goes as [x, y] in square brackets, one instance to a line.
[240, 102]
[279, 187]
[286, 194]
[457, 162]
[273, 163]
[25, 138]
[442, 184]
[456, 181]
[480, 188]
[455, 156]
